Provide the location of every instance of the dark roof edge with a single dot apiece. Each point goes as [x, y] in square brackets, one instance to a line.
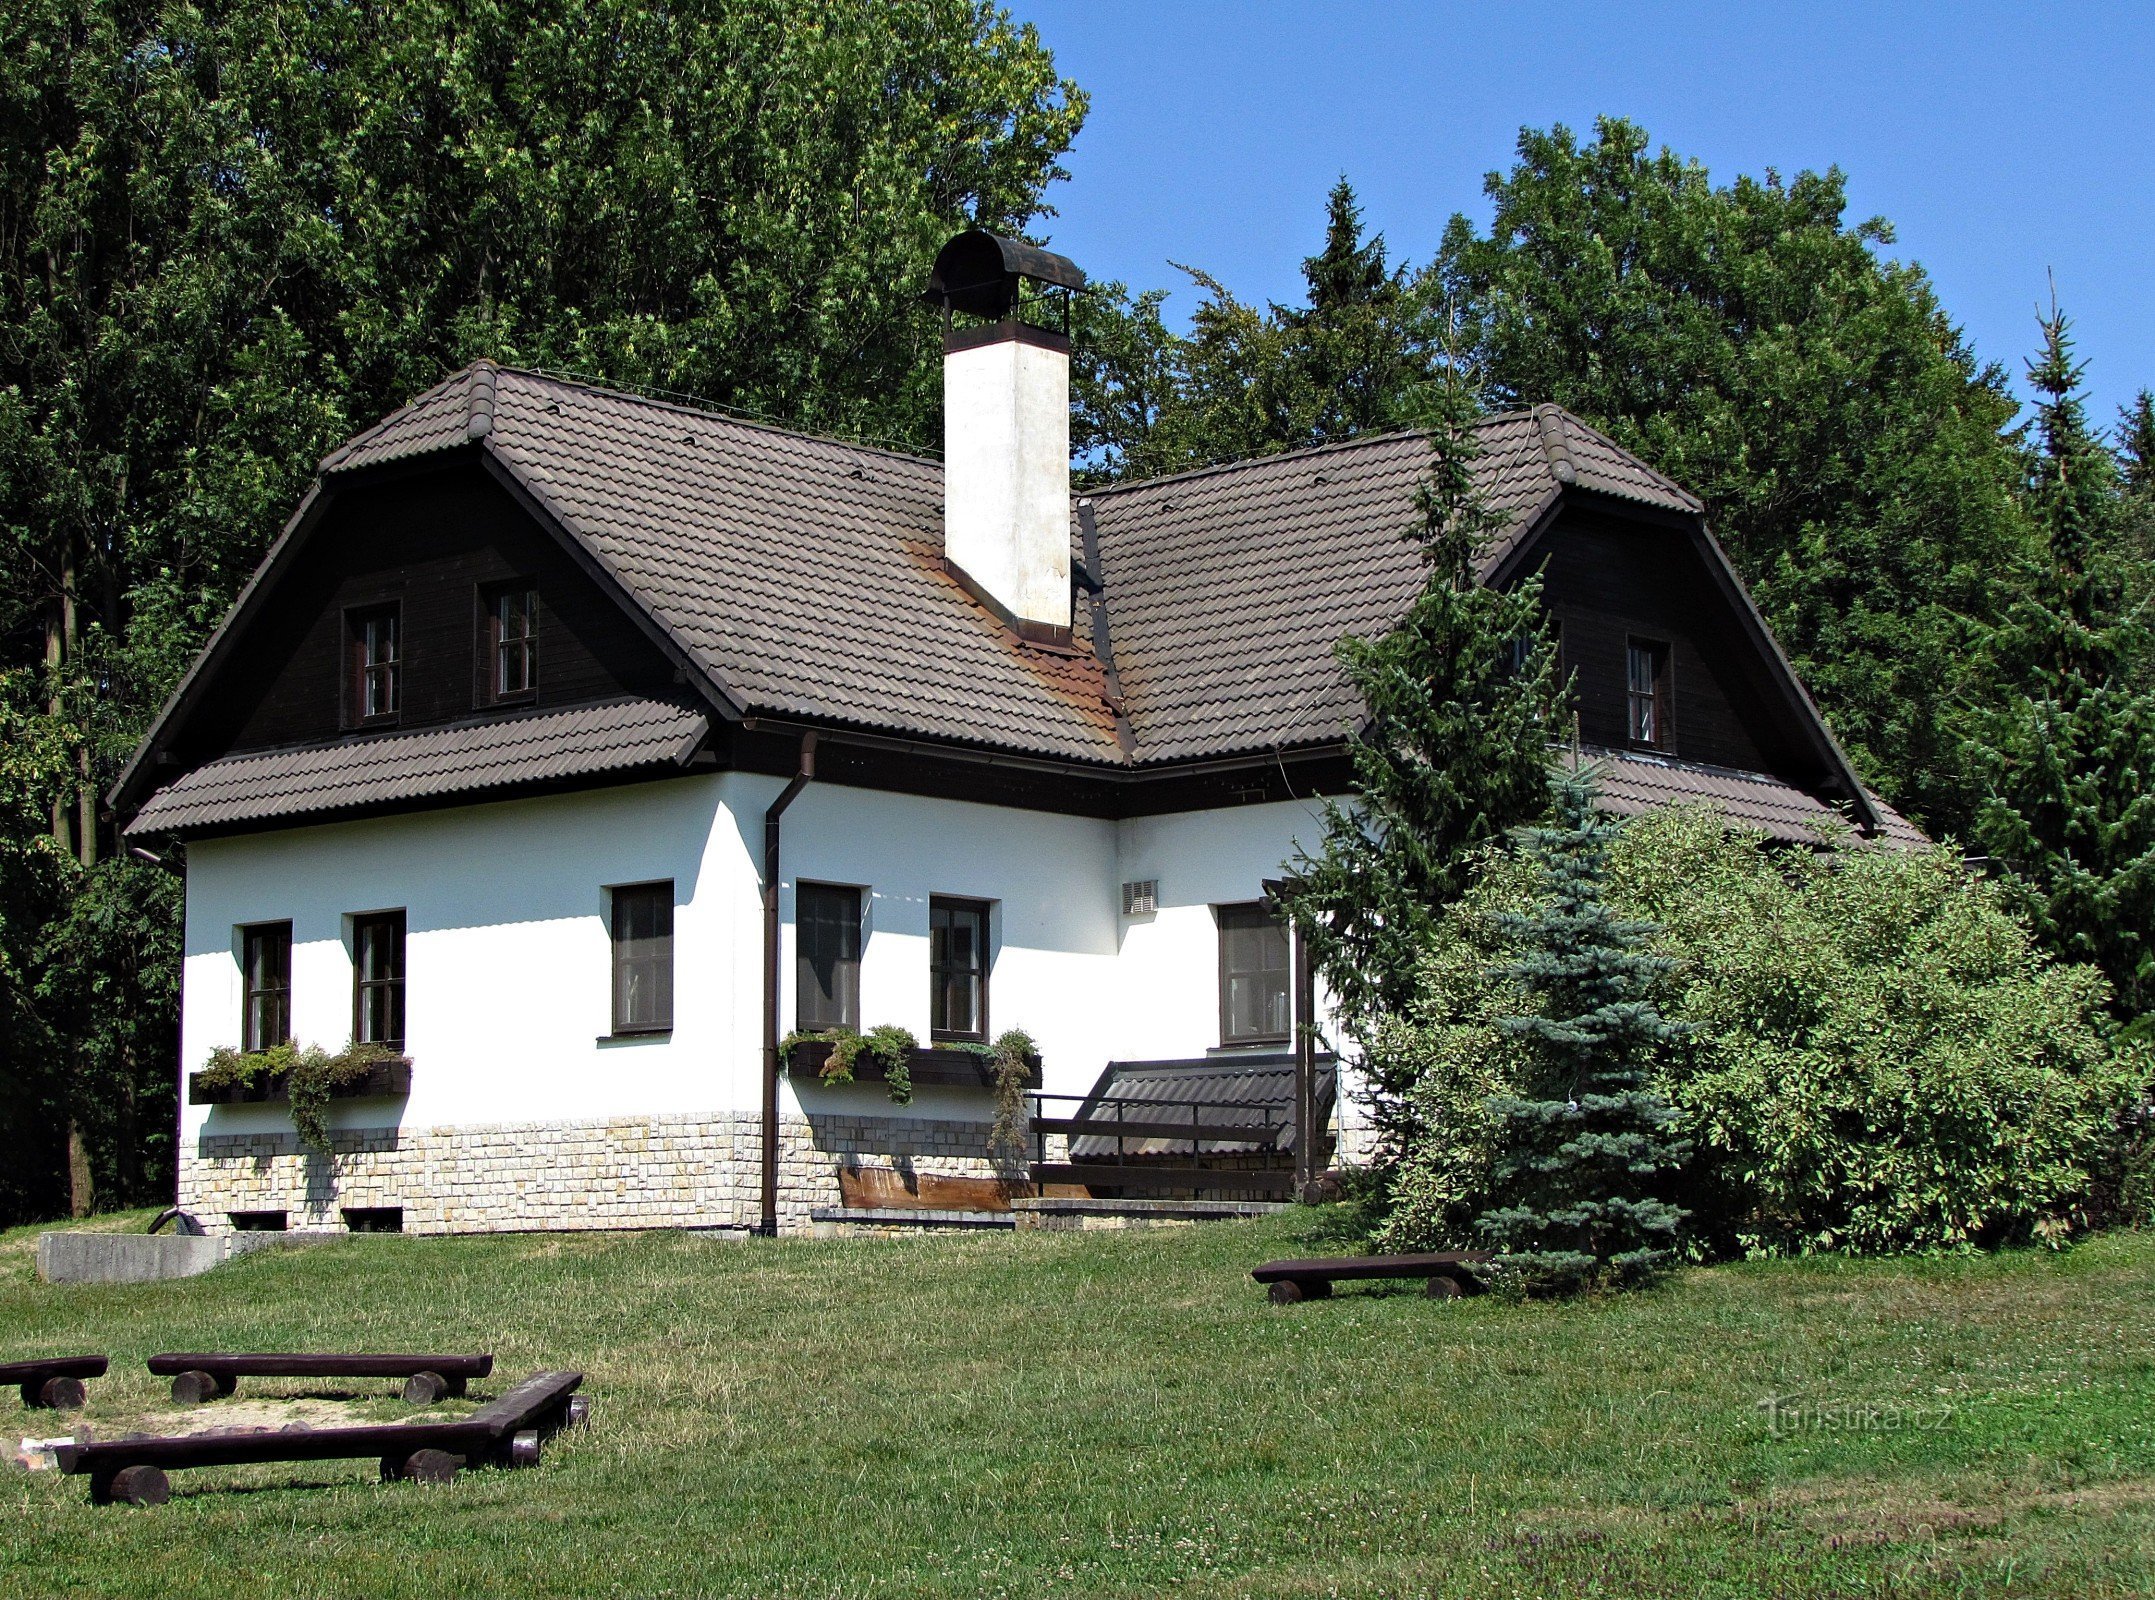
[308, 512]
[1725, 577]
[1785, 674]
[541, 507]
[321, 494]
[837, 731]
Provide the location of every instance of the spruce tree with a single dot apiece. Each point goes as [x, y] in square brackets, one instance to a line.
[2067, 749]
[1586, 1139]
[1460, 702]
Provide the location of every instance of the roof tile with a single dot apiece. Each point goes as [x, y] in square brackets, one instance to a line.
[281, 785]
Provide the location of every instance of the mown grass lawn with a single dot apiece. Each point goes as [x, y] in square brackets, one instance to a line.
[1125, 1414]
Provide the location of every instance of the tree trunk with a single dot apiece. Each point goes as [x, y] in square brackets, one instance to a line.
[54, 705]
[129, 1176]
[81, 1189]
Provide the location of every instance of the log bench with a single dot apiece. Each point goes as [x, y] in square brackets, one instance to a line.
[507, 1432]
[55, 1383]
[200, 1376]
[1448, 1274]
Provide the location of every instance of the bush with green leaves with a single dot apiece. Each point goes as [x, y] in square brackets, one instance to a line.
[1878, 1057]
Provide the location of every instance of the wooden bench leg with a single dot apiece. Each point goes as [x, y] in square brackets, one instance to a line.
[192, 1388]
[421, 1466]
[58, 1394]
[1289, 1290]
[133, 1486]
[424, 1388]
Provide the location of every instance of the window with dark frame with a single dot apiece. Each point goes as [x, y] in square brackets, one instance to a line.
[266, 981]
[378, 978]
[1647, 692]
[509, 643]
[827, 958]
[642, 915]
[376, 687]
[957, 969]
[1254, 968]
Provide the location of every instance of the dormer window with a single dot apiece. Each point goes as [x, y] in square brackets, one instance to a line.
[509, 643]
[1647, 692]
[375, 689]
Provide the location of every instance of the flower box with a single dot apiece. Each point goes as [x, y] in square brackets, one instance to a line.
[385, 1080]
[962, 1069]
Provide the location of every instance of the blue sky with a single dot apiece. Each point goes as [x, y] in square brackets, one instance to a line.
[2003, 142]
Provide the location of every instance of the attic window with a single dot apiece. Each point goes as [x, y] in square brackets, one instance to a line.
[375, 650]
[1647, 692]
[508, 643]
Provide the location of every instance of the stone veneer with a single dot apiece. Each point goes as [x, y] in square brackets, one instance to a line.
[641, 1172]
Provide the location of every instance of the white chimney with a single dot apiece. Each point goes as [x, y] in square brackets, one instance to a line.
[1006, 427]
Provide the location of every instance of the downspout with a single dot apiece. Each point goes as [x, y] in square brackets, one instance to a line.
[776, 810]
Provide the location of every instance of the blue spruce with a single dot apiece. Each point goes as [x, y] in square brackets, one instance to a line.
[1587, 1141]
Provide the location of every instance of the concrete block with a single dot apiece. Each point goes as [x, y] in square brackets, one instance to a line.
[127, 1257]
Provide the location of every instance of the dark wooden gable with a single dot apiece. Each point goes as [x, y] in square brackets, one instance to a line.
[1609, 579]
[430, 542]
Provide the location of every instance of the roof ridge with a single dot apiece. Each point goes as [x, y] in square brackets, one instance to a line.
[382, 423]
[1330, 447]
[1549, 422]
[1567, 418]
[712, 410]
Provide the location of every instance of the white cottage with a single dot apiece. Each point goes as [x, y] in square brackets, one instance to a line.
[580, 746]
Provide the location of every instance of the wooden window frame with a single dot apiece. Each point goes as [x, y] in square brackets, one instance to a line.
[621, 965]
[984, 910]
[492, 639]
[1220, 916]
[1658, 698]
[802, 889]
[251, 1036]
[361, 667]
[393, 985]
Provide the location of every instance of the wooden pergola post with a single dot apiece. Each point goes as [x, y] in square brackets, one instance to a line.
[1307, 1171]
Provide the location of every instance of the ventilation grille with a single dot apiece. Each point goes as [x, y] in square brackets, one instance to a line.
[1141, 899]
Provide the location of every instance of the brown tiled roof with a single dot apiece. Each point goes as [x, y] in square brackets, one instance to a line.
[385, 769]
[802, 577]
[805, 575]
[1229, 587]
[1632, 783]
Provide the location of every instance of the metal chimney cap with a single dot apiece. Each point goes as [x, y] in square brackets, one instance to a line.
[978, 273]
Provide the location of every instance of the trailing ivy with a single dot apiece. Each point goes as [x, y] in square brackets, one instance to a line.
[1011, 1064]
[888, 1045]
[311, 1077]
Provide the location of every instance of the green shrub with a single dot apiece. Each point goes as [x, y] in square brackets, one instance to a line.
[1878, 1059]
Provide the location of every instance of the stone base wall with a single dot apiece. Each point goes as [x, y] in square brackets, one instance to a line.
[647, 1172]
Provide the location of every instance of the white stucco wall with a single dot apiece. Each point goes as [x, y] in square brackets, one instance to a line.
[508, 970]
[507, 995]
[1169, 979]
[1053, 924]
